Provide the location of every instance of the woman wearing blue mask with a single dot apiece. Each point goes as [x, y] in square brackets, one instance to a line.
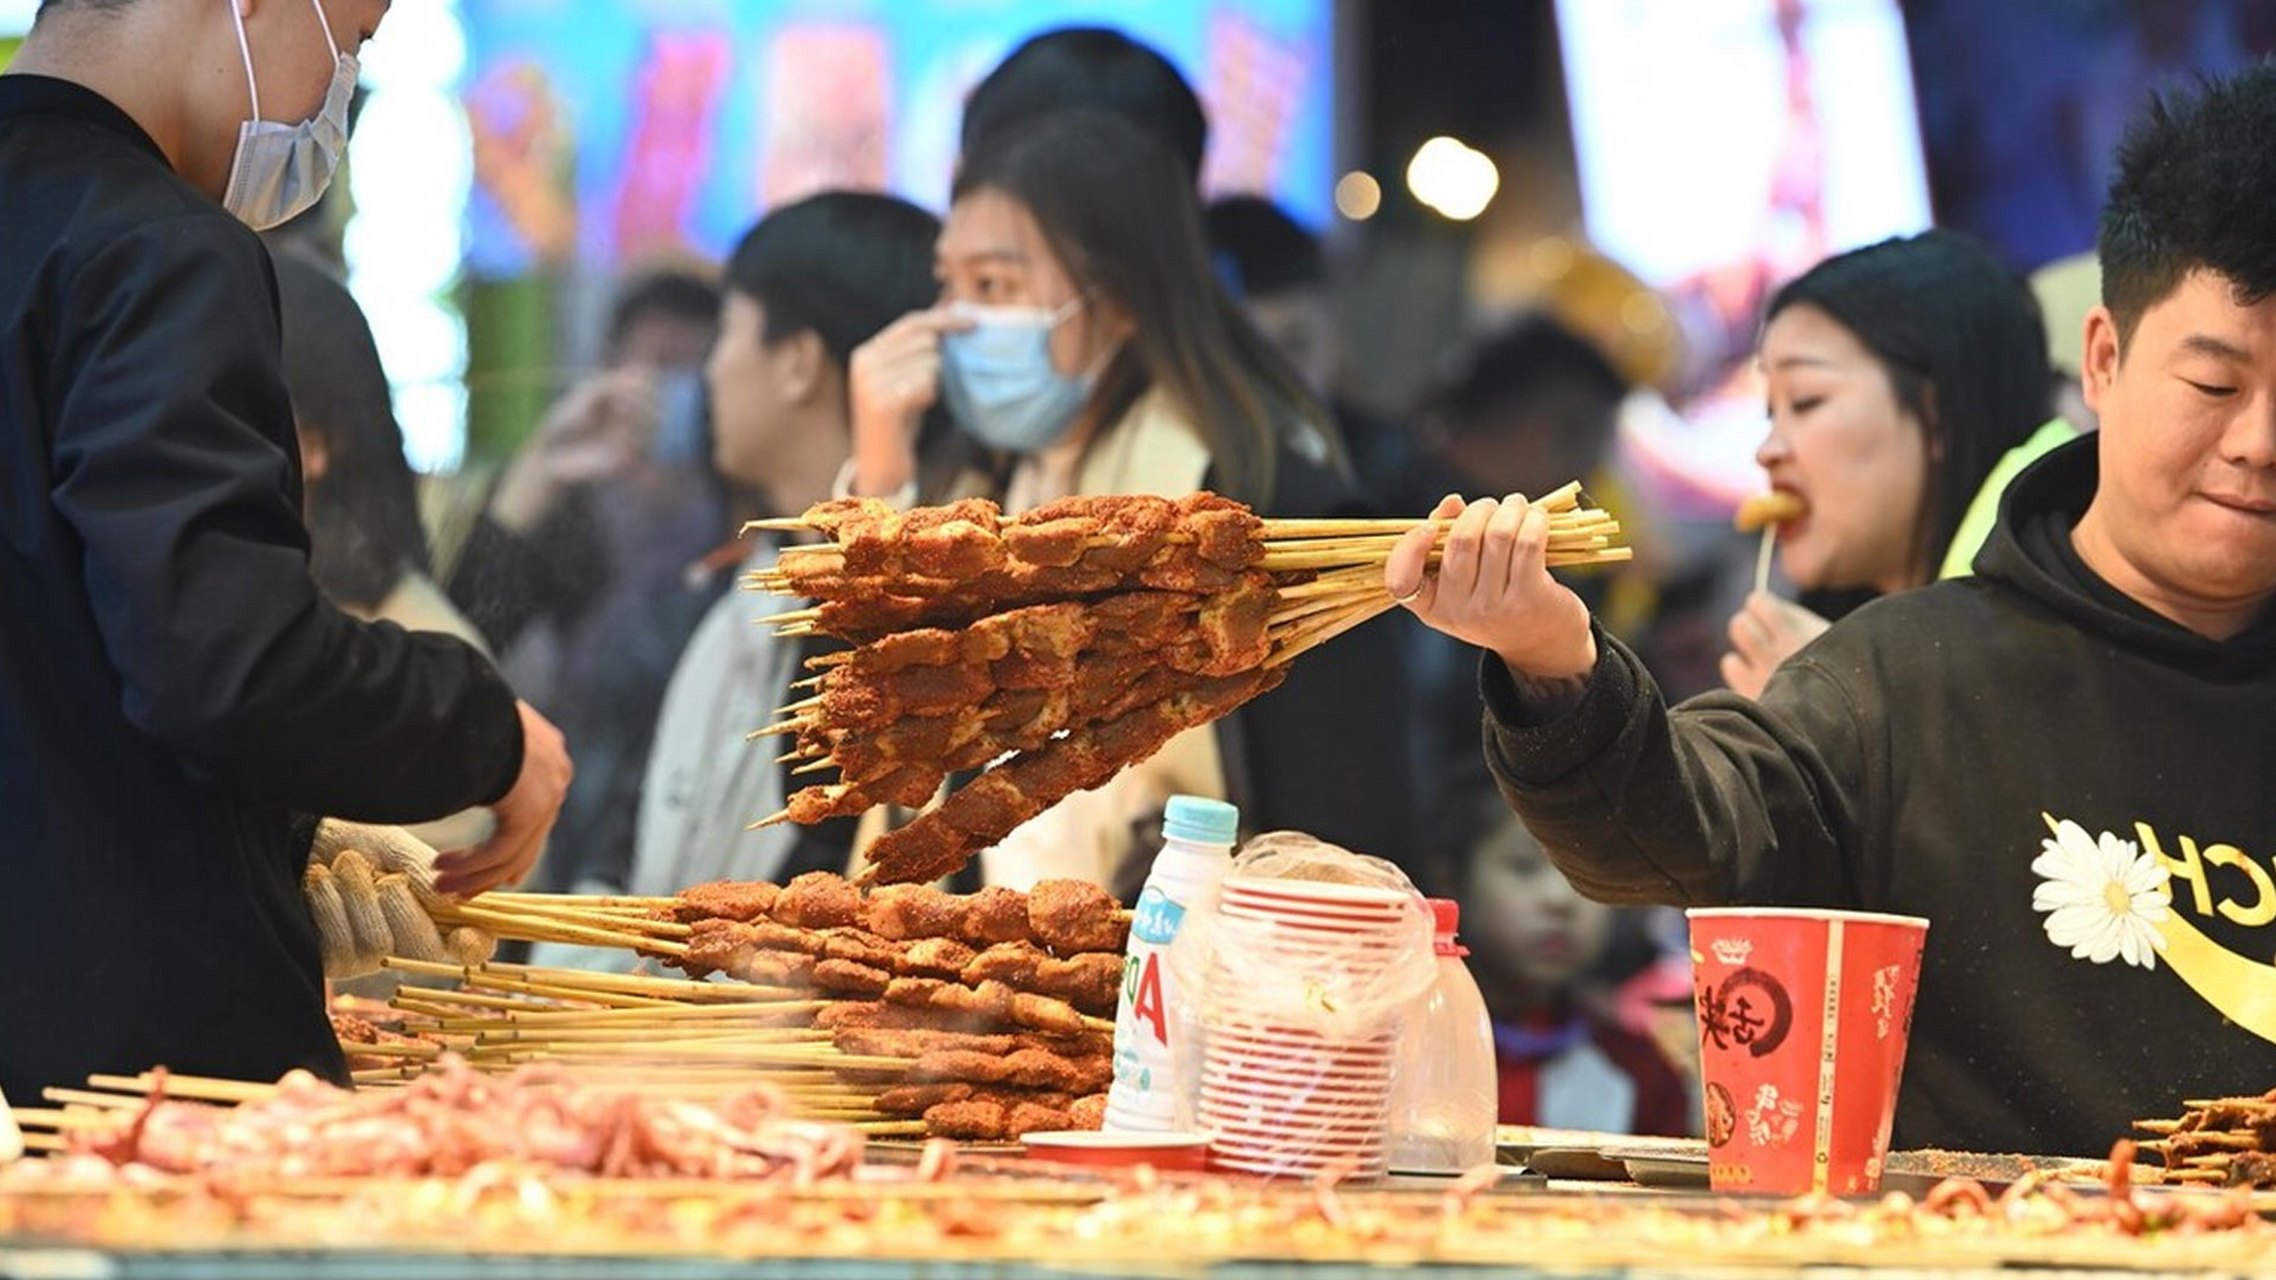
[179, 695]
[1083, 345]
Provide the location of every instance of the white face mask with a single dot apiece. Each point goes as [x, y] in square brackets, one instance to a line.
[282, 169]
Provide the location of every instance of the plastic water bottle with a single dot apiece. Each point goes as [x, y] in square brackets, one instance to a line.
[1157, 1053]
[1448, 1092]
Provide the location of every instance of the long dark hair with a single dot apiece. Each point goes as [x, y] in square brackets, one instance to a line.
[363, 513]
[1118, 212]
[1965, 350]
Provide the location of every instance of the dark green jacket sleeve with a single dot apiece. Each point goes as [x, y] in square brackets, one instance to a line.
[173, 466]
[1723, 800]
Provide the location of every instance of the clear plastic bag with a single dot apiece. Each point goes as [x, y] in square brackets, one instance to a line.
[1300, 968]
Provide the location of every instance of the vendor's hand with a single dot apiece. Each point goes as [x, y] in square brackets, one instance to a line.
[601, 428]
[1492, 588]
[525, 816]
[389, 850]
[1765, 632]
[364, 914]
[891, 380]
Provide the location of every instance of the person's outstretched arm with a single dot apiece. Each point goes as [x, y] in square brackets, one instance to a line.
[1722, 800]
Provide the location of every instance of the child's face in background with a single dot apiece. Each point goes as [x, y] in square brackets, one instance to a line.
[1523, 923]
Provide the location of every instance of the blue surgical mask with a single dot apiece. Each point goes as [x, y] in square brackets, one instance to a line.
[282, 169]
[999, 382]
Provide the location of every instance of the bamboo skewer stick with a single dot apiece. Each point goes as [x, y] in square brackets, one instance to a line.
[1332, 582]
[1324, 604]
[593, 985]
[192, 1088]
[643, 984]
[616, 901]
[809, 1057]
[101, 1100]
[539, 929]
[1304, 640]
[393, 1049]
[62, 1118]
[613, 999]
[620, 923]
[660, 1016]
[658, 1037]
[447, 1004]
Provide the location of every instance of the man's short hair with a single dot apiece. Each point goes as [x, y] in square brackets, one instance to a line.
[1268, 252]
[1538, 373]
[1090, 69]
[671, 292]
[2195, 189]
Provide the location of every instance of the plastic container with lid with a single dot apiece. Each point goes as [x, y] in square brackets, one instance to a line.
[1448, 1094]
[1157, 1051]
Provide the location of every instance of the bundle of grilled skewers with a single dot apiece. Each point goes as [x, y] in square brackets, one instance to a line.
[1054, 648]
[905, 1009]
[2227, 1142]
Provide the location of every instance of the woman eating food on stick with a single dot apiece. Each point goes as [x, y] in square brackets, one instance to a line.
[1084, 347]
[1908, 384]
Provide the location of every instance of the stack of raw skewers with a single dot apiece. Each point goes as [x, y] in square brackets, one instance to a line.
[1054, 648]
[904, 1010]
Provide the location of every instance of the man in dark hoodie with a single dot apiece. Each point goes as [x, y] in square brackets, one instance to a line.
[2062, 762]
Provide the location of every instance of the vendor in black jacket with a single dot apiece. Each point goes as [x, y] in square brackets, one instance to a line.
[172, 690]
[2063, 762]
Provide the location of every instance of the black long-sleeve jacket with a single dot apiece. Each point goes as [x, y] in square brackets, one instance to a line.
[172, 689]
[2072, 789]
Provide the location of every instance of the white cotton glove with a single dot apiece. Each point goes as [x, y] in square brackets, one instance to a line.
[370, 890]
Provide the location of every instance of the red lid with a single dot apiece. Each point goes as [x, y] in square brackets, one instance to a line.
[1446, 916]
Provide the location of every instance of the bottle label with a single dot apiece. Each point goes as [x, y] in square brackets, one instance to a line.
[1156, 919]
[1143, 1094]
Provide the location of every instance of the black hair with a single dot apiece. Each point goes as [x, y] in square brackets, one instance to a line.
[1964, 347]
[363, 513]
[1537, 370]
[1270, 252]
[1117, 215]
[842, 264]
[1097, 69]
[2194, 188]
[673, 292]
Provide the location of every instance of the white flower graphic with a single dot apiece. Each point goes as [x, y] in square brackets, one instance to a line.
[2103, 898]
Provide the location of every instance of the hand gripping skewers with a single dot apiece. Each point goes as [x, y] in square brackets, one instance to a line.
[1054, 648]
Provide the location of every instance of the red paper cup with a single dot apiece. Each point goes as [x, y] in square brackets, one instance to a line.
[1803, 1018]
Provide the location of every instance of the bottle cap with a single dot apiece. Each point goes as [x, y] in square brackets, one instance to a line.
[1201, 821]
[1446, 917]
